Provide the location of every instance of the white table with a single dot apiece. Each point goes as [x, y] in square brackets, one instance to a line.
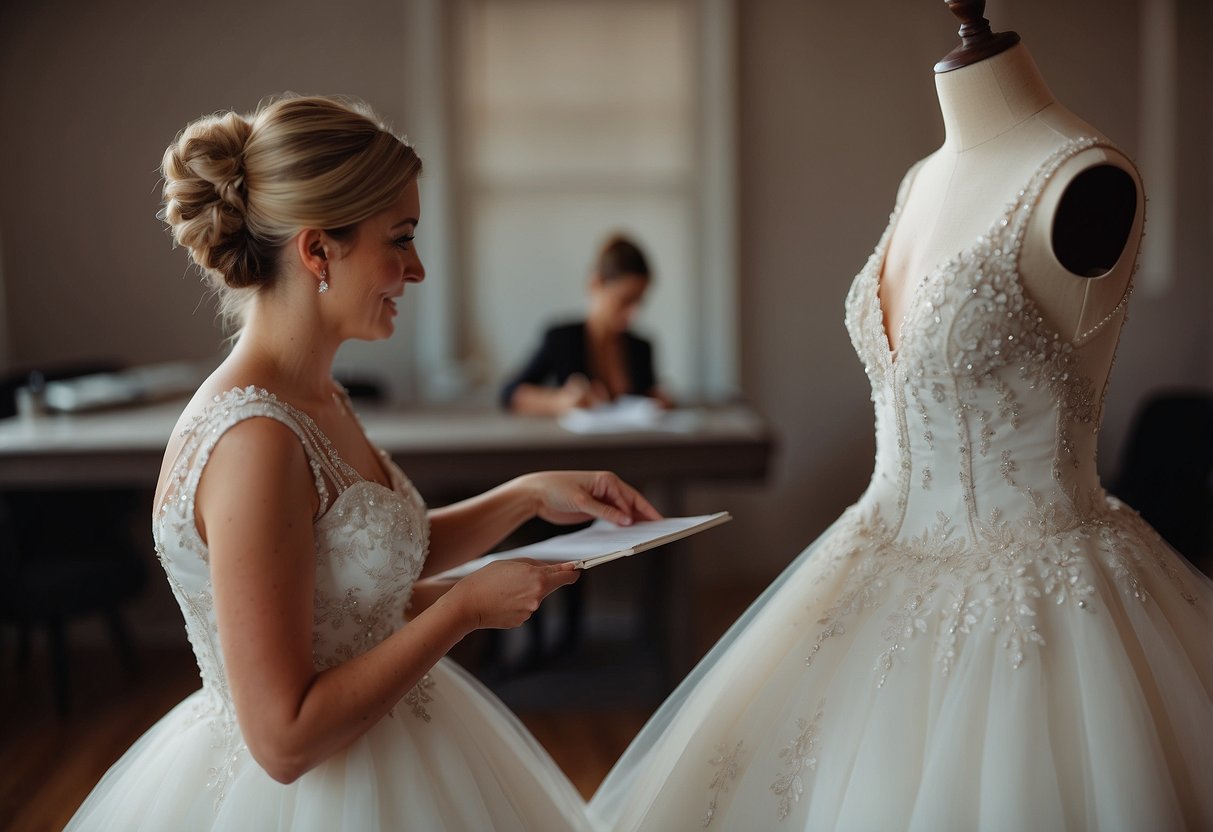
[444, 451]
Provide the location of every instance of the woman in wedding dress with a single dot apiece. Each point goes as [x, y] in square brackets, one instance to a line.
[294, 547]
[986, 640]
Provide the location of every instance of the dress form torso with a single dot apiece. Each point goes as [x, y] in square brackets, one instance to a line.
[1002, 121]
[986, 639]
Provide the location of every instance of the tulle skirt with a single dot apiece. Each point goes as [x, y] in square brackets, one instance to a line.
[451, 757]
[1057, 683]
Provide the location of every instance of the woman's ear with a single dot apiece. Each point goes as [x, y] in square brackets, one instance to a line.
[312, 248]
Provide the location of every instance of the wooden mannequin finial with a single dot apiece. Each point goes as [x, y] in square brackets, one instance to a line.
[977, 42]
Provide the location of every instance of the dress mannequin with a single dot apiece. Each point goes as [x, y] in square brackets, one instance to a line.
[1001, 123]
[972, 645]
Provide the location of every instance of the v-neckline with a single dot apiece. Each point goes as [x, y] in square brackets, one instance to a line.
[342, 398]
[882, 255]
[882, 260]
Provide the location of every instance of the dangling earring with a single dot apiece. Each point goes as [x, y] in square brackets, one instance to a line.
[324, 281]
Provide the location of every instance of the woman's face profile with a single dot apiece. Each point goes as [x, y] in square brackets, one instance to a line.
[614, 302]
[378, 265]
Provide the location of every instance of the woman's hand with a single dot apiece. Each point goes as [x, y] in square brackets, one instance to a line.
[504, 593]
[579, 391]
[471, 527]
[576, 496]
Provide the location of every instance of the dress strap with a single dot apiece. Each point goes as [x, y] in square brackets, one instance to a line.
[876, 263]
[1025, 202]
[1024, 205]
[907, 182]
[233, 407]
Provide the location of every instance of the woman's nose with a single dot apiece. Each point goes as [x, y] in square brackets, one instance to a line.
[414, 272]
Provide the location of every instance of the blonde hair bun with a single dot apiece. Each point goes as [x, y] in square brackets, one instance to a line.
[205, 198]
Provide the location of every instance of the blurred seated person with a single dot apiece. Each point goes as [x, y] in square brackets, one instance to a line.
[597, 360]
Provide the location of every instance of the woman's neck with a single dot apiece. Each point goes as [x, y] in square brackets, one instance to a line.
[599, 331]
[988, 98]
[289, 350]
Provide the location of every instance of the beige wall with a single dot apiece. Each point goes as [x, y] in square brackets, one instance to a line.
[91, 94]
[833, 106]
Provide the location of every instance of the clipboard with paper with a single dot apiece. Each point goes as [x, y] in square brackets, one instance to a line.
[601, 542]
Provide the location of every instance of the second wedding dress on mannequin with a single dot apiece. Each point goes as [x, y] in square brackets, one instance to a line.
[986, 640]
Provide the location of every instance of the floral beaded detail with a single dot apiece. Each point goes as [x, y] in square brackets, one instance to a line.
[727, 763]
[370, 546]
[800, 759]
[419, 696]
[942, 588]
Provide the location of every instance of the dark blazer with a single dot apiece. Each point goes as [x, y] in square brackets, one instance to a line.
[563, 353]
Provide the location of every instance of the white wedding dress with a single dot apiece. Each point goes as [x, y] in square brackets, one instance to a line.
[986, 640]
[450, 756]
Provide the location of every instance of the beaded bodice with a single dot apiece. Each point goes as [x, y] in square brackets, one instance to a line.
[370, 542]
[984, 414]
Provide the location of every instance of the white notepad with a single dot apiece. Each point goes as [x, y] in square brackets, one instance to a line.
[601, 543]
[630, 414]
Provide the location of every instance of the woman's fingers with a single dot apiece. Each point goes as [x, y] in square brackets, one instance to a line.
[610, 511]
[575, 496]
[505, 593]
[627, 500]
[560, 574]
[641, 507]
[554, 575]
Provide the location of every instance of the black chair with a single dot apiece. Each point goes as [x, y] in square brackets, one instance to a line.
[1166, 472]
[63, 556]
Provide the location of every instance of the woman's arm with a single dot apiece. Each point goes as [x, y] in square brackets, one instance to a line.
[559, 360]
[255, 503]
[538, 371]
[468, 529]
[426, 591]
[535, 400]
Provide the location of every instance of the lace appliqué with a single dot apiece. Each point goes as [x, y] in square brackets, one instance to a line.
[727, 767]
[419, 696]
[866, 582]
[364, 523]
[227, 740]
[941, 586]
[798, 754]
[1133, 550]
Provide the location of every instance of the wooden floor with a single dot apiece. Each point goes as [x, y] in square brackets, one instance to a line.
[49, 764]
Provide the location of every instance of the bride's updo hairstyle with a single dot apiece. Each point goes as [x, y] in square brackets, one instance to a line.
[238, 188]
